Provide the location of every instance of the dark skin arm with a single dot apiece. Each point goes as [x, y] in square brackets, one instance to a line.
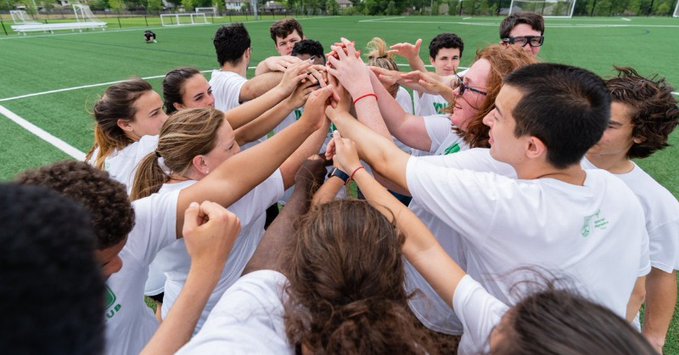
[268, 255]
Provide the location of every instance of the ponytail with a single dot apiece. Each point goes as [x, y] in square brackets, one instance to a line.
[149, 177]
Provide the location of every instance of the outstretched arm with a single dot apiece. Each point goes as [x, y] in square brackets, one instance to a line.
[210, 232]
[411, 52]
[283, 85]
[276, 63]
[241, 173]
[421, 247]
[268, 255]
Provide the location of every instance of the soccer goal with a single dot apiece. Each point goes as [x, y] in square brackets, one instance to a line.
[676, 10]
[210, 11]
[546, 8]
[183, 19]
[83, 13]
[20, 17]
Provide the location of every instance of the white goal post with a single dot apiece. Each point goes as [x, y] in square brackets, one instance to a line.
[20, 17]
[83, 13]
[183, 19]
[212, 11]
[546, 8]
[676, 10]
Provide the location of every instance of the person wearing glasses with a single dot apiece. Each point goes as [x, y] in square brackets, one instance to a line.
[460, 129]
[525, 30]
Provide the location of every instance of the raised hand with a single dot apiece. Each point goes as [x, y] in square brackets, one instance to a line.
[407, 50]
[293, 75]
[281, 63]
[387, 77]
[349, 69]
[301, 94]
[314, 109]
[209, 233]
[346, 155]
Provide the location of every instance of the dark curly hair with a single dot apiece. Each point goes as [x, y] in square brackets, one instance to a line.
[346, 291]
[445, 40]
[655, 111]
[105, 199]
[284, 28]
[230, 43]
[51, 289]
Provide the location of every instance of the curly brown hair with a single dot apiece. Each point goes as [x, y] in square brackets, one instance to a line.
[284, 28]
[503, 60]
[104, 198]
[346, 291]
[655, 111]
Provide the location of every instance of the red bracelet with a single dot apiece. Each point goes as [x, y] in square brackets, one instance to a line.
[364, 96]
[351, 177]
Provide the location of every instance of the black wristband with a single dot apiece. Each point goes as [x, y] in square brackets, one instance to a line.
[340, 174]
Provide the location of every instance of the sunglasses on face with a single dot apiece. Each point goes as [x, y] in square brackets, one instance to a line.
[533, 41]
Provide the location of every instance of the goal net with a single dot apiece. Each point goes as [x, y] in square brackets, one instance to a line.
[183, 19]
[210, 11]
[546, 8]
[20, 17]
[83, 13]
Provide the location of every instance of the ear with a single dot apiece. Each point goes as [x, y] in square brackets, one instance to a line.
[200, 165]
[178, 106]
[638, 140]
[535, 148]
[124, 124]
[432, 60]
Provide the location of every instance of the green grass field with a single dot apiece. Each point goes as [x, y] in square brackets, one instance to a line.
[37, 64]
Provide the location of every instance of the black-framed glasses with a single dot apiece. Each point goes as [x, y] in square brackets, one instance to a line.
[463, 87]
[533, 41]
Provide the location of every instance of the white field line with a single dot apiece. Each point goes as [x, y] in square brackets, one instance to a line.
[625, 19]
[495, 24]
[42, 134]
[382, 19]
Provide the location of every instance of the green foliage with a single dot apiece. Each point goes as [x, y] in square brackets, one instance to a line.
[189, 5]
[333, 8]
[116, 5]
[154, 6]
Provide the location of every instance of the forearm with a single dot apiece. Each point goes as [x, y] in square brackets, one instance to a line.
[259, 85]
[407, 128]
[636, 298]
[311, 146]
[416, 63]
[328, 191]
[379, 152]
[661, 299]
[263, 124]
[180, 323]
[250, 110]
[268, 255]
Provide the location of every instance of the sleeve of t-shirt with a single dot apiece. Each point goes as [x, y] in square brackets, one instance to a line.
[254, 203]
[405, 100]
[467, 201]
[247, 320]
[228, 91]
[645, 261]
[477, 159]
[155, 225]
[664, 246]
[478, 311]
[438, 127]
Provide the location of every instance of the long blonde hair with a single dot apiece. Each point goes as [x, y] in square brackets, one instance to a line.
[117, 103]
[186, 134]
[379, 56]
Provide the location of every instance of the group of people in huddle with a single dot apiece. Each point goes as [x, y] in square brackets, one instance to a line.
[320, 207]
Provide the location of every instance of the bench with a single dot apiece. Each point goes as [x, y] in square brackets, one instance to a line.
[51, 27]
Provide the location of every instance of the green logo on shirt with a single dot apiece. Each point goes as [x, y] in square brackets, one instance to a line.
[592, 222]
[298, 114]
[110, 301]
[440, 106]
[452, 149]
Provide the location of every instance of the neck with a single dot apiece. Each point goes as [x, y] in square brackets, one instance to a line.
[573, 174]
[615, 165]
[241, 68]
[190, 174]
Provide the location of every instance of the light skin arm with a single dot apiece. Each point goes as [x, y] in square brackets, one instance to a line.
[268, 255]
[379, 152]
[238, 175]
[661, 298]
[283, 84]
[636, 298]
[263, 124]
[411, 52]
[421, 247]
[210, 232]
[275, 63]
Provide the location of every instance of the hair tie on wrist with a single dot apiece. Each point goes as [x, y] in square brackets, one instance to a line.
[364, 96]
[351, 177]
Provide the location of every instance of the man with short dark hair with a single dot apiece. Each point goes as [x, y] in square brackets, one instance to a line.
[643, 115]
[556, 216]
[285, 33]
[51, 289]
[525, 29]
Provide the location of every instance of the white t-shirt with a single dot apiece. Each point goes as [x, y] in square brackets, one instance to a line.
[593, 233]
[248, 319]
[662, 216]
[130, 324]
[479, 313]
[428, 104]
[122, 164]
[250, 210]
[226, 88]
